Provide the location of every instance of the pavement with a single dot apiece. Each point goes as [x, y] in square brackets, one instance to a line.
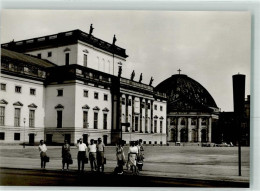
[168, 162]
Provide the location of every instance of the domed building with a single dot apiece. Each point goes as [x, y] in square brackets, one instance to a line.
[192, 113]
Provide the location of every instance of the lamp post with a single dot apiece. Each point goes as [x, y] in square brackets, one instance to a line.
[24, 120]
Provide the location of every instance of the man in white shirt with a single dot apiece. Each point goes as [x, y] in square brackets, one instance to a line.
[81, 154]
[92, 149]
[42, 149]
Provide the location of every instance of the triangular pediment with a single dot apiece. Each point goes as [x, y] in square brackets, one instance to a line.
[161, 117]
[32, 105]
[106, 109]
[85, 107]
[155, 117]
[96, 108]
[2, 101]
[59, 106]
[18, 104]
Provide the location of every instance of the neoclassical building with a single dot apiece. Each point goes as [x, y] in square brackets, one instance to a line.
[192, 113]
[69, 86]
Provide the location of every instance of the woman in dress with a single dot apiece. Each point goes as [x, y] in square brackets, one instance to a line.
[66, 156]
[132, 156]
[120, 156]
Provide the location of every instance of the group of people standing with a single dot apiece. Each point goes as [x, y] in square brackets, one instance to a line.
[135, 157]
[96, 155]
[134, 161]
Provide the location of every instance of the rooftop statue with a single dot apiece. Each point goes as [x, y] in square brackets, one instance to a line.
[151, 81]
[114, 39]
[119, 71]
[91, 30]
[141, 78]
[133, 75]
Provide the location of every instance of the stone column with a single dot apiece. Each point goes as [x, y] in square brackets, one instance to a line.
[120, 111]
[151, 118]
[126, 111]
[189, 129]
[133, 113]
[178, 129]
[141, 115]
[146, 115]
[209, 129]
[199, 130]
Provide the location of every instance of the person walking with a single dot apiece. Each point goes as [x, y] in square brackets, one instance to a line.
[120, 156]
[81, 154]
[140, 157]
[43, 155]
[92, 149]
[66, 156]
[100, 155]
[132, 156]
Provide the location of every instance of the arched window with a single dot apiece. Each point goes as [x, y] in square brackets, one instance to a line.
[183, 122]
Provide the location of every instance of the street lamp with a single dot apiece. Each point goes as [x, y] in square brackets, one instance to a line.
[24, 120]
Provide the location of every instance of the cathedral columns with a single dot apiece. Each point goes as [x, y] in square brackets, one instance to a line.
[189, 129]
[209, 129]
[199, 130]
[178, 129]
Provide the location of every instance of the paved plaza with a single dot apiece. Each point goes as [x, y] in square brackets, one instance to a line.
[193, 162]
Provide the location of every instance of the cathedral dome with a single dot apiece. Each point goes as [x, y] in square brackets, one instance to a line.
[185, 94]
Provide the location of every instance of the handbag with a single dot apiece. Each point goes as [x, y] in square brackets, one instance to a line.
[70, 161]
[85, 160]
[46, 159]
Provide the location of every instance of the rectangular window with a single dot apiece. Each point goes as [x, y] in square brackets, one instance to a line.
[32, 91]
[3, 87]
[31, 118]
[17, 114]
[59, 119]
[18, 89]
[2, 136]
[16, 136]
[129, 102]
[161, 108]
[49, 54]
[39, 55]
[148, 105]
[60, 92]
[67, 59]
[95, 120]
[136, 123]
[142, 105]
[105, 97]
[155, 107]
[85, 93]
[85, 60]
[123, 101]
[161, 124]
[105, 121]
[2, 115]
[85, 119]
[95, 95]
[155, 126]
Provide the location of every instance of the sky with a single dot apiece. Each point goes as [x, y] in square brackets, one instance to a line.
[207, 46]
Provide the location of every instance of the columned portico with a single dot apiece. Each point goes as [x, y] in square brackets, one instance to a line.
[209, 129]
[178, 129]
[199, 130]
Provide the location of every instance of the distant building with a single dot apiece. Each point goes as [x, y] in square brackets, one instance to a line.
[228, 130]
[192, 113]
[66, 86]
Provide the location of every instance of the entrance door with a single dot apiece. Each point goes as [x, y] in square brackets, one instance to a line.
[67, 137]
[85, 139]
[203, 135]
[194, 135]
[48, 138]
[173, 135]
[31, 138]
[183, 135]
[105, 139]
